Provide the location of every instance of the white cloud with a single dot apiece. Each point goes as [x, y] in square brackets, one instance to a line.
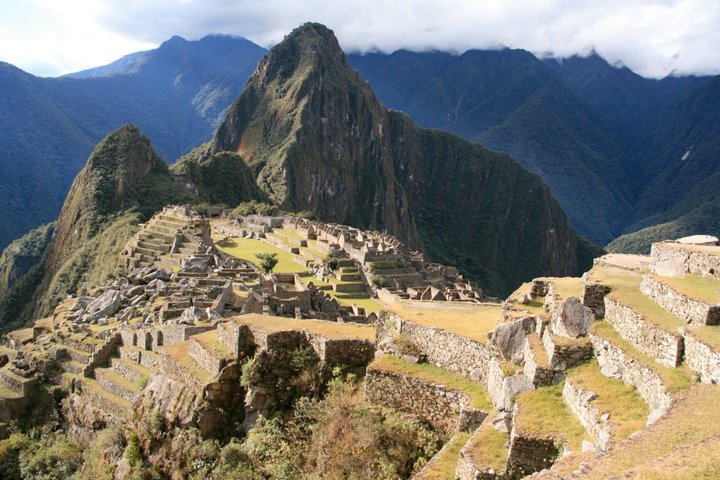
[653, 37]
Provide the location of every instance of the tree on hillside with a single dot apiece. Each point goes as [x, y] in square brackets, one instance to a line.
[267, 261]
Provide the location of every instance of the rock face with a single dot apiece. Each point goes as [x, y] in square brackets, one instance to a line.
[106, 305]
[509, 337]
[572, 319]
[321, 141]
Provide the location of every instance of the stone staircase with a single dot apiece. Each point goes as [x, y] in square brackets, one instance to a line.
[163, 241]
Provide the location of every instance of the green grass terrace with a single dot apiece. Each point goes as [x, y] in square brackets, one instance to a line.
[331, 330]
[467, 319]
[434, 374]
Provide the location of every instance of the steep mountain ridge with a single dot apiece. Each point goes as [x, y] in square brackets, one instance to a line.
[510, 101]
[320, 140]
[176, 93]
[123, 182]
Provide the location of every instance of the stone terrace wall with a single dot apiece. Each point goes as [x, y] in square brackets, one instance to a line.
[672, 260]
[663, 346]
[615, 363]
[563, 356]
[529, 454]
[451, 351]
[702, 359]
[205, 359]
[687, 309]
[594, 296]
[539, 375]
[438, 405]
[580, 402]
[467, 469]
[348, 351]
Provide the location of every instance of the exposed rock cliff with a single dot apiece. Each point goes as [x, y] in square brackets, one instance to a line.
[320, 140]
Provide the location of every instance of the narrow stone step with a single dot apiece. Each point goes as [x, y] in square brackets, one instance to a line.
[129, 369]
[537, 366]
[117, 384]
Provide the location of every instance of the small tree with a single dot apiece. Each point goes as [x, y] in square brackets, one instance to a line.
[267, 261]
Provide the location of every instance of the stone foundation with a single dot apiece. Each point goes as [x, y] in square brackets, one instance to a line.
[685, 308]
[664, 347]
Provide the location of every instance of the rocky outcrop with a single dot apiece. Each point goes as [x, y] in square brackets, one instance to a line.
[509, 338]
[572, 319]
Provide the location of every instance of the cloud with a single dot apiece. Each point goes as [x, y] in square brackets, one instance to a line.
[652, 37]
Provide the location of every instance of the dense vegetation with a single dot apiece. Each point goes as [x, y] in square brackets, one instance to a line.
[22, 254]
[337, 436]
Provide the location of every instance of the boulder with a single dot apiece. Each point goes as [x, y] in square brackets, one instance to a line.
[106, 305]
[134, 291]
[572, 319]
[196, 264]
[509, 338]
[81, 303]
[709, 240]
[192, 315]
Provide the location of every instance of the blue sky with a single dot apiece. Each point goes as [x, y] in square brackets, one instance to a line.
[653, 37]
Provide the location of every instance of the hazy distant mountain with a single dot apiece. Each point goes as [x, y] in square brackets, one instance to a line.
[574, 122]
[598, 135]
[176, 93]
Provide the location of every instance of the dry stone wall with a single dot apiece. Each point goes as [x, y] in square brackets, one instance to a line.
[594, 296]
[596, 424]
[438, 405]
[562, 354]
[529, 454]
[533, 370]
[685, 308]
[615, 363]
[672, 260]
[451, 351]
[663, 346]
[700, 358]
